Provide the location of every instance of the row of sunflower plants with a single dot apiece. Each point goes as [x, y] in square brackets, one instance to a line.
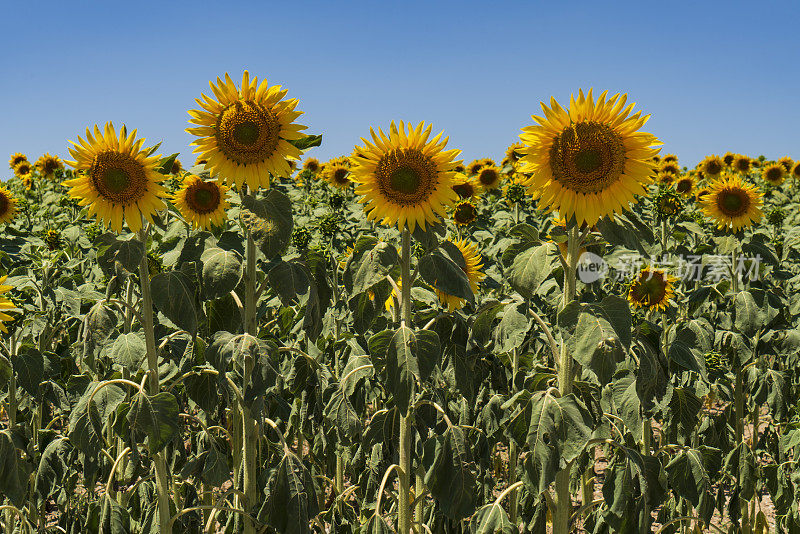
[393, 341]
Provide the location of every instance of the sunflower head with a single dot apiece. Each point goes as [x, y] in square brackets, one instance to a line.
[405, 178]
[16, 159]
[244, 132]
[337, 174]
[5, 304]
[514, 152]
[329, 224]
[23, 168]
[775, 216]
[489, 177]
[712, 166]
[666, 178]
[732, 203]
[336, 200]
[472, 267]
[741, 164]
[465, 213]
[177, 167]
[52, 238]
[669, 158]
[202, 203]
[465, 186]
[118, 179]
[796, 171]
[48, 165]
[474, 167]
[669, 167]
[155, 263]
[8, 205]
[667, 203]
[787, 163]
[728, 158]
[652, 289]
[774, 174]
[685, 185]
[589, 160]
[514, 192]
[301, 237]
[312, 165]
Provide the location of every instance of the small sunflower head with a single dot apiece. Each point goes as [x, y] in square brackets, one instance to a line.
[23, 168]
[336, 200]
[669, 167]
[796, 171]
[775, 216]
[666, 179]
[16, 159]
[465, 187]
[684, 185]
[329, 225]
[774, 174]
[312, 165]
[669, 157]
[728, 158]
[177, 167]
[787, 163]
[460, 168]
[93, 231]
[741, 164]
[49, 165]
[712, 166]
[515, 193]
[667, 203]
[489, 177]
[514, 152]
[465, 213]
[301, 237]
[155, 263]
[474, 167]
[52, 238]
[652, 289]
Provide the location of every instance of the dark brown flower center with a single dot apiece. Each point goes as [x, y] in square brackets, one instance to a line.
[247, 132]
[203, 197]
[587, 157]
[406, 176]
[118, 177]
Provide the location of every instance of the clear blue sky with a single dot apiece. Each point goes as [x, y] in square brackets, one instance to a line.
[715, 76]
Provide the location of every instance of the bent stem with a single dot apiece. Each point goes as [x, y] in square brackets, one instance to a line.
[563, 502]
[162, 477]
[404, 503]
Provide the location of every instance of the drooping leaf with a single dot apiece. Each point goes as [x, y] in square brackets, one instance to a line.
[222, 271]
[452, 477]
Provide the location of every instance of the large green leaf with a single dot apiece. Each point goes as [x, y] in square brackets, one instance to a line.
[402, 367]
[269, 221]
[688, 475]
[291, 501]
[452, 477]
[372, 266]
[532, 267]
[491, 519]
[129, 350]
[753, 311]
[444, 269]
[13, 472]
[222, 271]
[54, 466]
[173, 295]
[156, 416]
[340, 413]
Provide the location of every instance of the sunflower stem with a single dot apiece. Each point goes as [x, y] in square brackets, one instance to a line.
[162, 477]
[404, 473]
[249, 425]
[512, 449]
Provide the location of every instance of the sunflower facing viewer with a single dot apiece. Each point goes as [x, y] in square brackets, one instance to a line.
[405, 178]
[652, 289]
[8, 205]
[118, 180]
[732, 203]
[589, 160]
[202, 203]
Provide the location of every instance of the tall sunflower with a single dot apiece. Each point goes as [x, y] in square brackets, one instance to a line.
[685, 185]
[312, 165]
[473, 263]
[48, 165]
[669, 167]
[5, 304]
[741, 163]
[16, 159]
[23, 168]
[796, 171]
[728, 158]
[489, 177]
[732, 203]
[774, 174]
[404, 178]
[8, 205]
[117, 178]
[787, 163]
[652, 289]
[337, 174]
[202, 203]
[712, 166]
[244, 132]
[466, 186]
[589, 160]
[513, 153]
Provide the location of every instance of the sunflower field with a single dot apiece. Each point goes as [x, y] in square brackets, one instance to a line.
[579, 335]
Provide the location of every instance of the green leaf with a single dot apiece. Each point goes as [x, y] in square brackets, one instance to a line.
[372, 266]
[157, 417]
[164, 165]
[29, 368]
[291, 501]
[429, 353]
[491, 519]
[203, 389]
[513, 328]
[86, 421]
[452, 477]
[173, 295]
[688, 477]
[306, 142]
[54, 466]
[269, 221]
[532, 267]
[13, 472]
[340, 413]
[127, 251]
[402, 367]
[222, 271]
[444, 269]
[688, 343]
[129, 350]
[753, 311]
[741, 464]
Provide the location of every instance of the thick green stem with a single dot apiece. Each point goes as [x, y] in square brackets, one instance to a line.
[249, 425]
[738, 402]
[404, 504]
[162, 477]
[513, 454]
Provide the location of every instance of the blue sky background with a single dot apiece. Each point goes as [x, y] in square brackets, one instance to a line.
[715, 76]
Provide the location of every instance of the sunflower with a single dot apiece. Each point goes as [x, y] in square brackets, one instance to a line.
[669, 157]
[669, 167]
[460, 168]
[5, 304]
[23, 168]
[16, 159]
[177, 167]
[652, 289]
[489, 178]
[245, 132]
[48, 165]
[473, 263]
[712, 166]
[201, 160]
[590, 160]
[465, 186]
[741, 163]
[474, 167]
[404, 178]
[514, 191]
[774, 174]
[201, 202]
[796, 171]
[337, 174]
[732, 203]
[685, 185]
[787, 163]
[465, 213]
[513, 153]
[312, 165]
[701, 192]
[666, 178]
[8, 205]
[117, 177]
[728, 158]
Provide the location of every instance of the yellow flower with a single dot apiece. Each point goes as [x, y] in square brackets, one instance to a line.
[513, 153]
[796, 170]
[473, 263]
[589, 160]
[712, 166]
[202, 203]
[337, 174]
[48, 165]
[732, 203]
[23, 168]
[685, 185]
[741, 163]
[669, 158]
[787, 163]
[774, 174]
[728, 158]
[464, 213]
[16, 159]
[489, 177]
[244, 132]
[669, 167]
[311, 164]
[177, 167]
[404, 178]
[474, 167]
[8, 205]
[5, 304]
[117, 178]
[652, 289]
[466, 187]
